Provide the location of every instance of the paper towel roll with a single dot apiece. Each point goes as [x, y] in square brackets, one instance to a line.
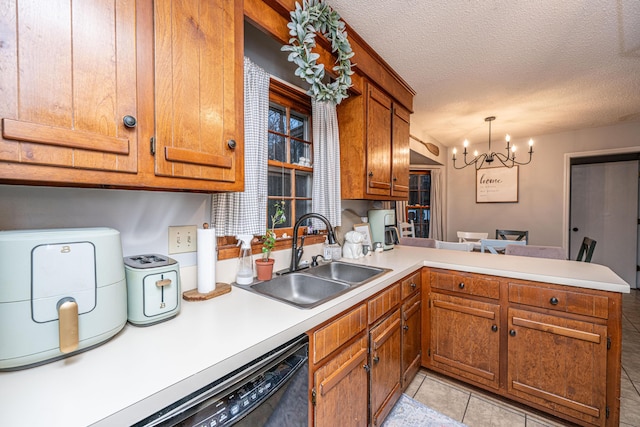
[206, 259]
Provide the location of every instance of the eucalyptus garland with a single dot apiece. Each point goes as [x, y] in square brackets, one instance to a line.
[315, 16]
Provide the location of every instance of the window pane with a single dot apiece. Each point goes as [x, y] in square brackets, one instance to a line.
[413, 198]
[272, 210]
[413, 182]
[304, 181]
[279, 182]
[299, 150]
[277, 148]
[303, 207]
[277, 117]
[297, 125]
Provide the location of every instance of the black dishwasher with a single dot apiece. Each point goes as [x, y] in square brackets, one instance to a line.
[272, 390]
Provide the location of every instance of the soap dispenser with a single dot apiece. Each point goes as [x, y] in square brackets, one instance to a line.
[245, 262]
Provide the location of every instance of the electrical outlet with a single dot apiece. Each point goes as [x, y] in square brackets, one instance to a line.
[182, 239]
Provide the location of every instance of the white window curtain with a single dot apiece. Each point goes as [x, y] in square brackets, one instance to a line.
[246, 212]
[326, 163]
[401, 211]
[436, 225]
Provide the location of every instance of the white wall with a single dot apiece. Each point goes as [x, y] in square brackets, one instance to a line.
[142, 217]
[542, 196]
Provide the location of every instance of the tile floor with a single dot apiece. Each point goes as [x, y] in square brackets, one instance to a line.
[475, 408]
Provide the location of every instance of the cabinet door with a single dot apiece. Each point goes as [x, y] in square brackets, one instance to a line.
[411, 338]
[465, 338]
[385, 366]
[67, 80]
[199, 90]
[378, 142]
[400, 138]
[558, 363]
[340, 388]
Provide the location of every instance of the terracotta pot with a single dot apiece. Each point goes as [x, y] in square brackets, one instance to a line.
[264, 269]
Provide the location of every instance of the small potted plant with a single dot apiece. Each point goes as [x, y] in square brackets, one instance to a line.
[264, 265]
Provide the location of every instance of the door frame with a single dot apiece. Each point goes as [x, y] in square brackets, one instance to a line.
[566, 208]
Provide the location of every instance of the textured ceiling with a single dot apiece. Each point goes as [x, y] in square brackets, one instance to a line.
[540, 67]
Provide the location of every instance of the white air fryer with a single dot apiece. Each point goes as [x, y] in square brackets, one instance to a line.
[61, 291]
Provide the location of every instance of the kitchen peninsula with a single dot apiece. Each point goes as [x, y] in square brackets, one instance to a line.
[142, 370]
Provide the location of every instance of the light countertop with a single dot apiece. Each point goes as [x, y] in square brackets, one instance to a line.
[143, 369]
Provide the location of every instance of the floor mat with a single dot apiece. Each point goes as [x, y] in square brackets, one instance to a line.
[408, 412]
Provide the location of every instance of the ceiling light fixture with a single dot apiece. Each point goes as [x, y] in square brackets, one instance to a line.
[487, 158]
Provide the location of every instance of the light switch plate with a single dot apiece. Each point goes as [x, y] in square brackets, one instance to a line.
[182, 239]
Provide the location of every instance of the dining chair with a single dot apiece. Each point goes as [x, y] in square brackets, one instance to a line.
[473, 237]
[586, 249]
[512, 235]
[498, 245]
[455, 246]
[418, 241]
[407, 229]
[553, 252]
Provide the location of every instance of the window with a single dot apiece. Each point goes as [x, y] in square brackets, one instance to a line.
[418, 207]
[290, 152]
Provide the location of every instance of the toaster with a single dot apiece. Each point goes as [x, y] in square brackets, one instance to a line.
[153, 288]
[62, 291]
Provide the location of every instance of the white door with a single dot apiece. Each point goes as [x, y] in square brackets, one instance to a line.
[604, 207]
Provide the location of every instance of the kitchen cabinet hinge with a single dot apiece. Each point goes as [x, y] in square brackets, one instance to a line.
[313, 397]
[608, 343]
[429, 352]
[152, 145]
[607, 411]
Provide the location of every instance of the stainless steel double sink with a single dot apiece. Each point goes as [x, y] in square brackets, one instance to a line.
[316, 285]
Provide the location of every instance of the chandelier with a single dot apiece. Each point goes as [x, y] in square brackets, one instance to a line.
[488, 158]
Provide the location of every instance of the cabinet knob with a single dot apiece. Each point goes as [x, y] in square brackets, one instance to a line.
[370, 173]
[376, 359]
[129, 121]
[494, 328]
[512, 332]
[553, 301]
[395, 179]
[461, 285]
[231, 143]
[405, 327]
[366, 367]
[413, 286]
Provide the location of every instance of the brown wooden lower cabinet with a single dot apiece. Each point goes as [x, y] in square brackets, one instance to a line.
[558, 363]
[361, 360]
[340, 388]
[411, 336]
[385, 362]
[465, 339]
[555, 348]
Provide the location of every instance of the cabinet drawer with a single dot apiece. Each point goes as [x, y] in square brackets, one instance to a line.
[466, 283]
[332, 336]
[411, 284]
[560, 300]
[384, 302]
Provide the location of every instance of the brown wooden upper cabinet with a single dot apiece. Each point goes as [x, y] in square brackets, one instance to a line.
[374, 146]
[68, 88]
[133, 94]
[198, 127]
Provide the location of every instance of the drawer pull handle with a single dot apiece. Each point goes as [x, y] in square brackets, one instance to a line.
[461, 285]
[512, 332]
[413, 286]
[494, 328]
[553, 301]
